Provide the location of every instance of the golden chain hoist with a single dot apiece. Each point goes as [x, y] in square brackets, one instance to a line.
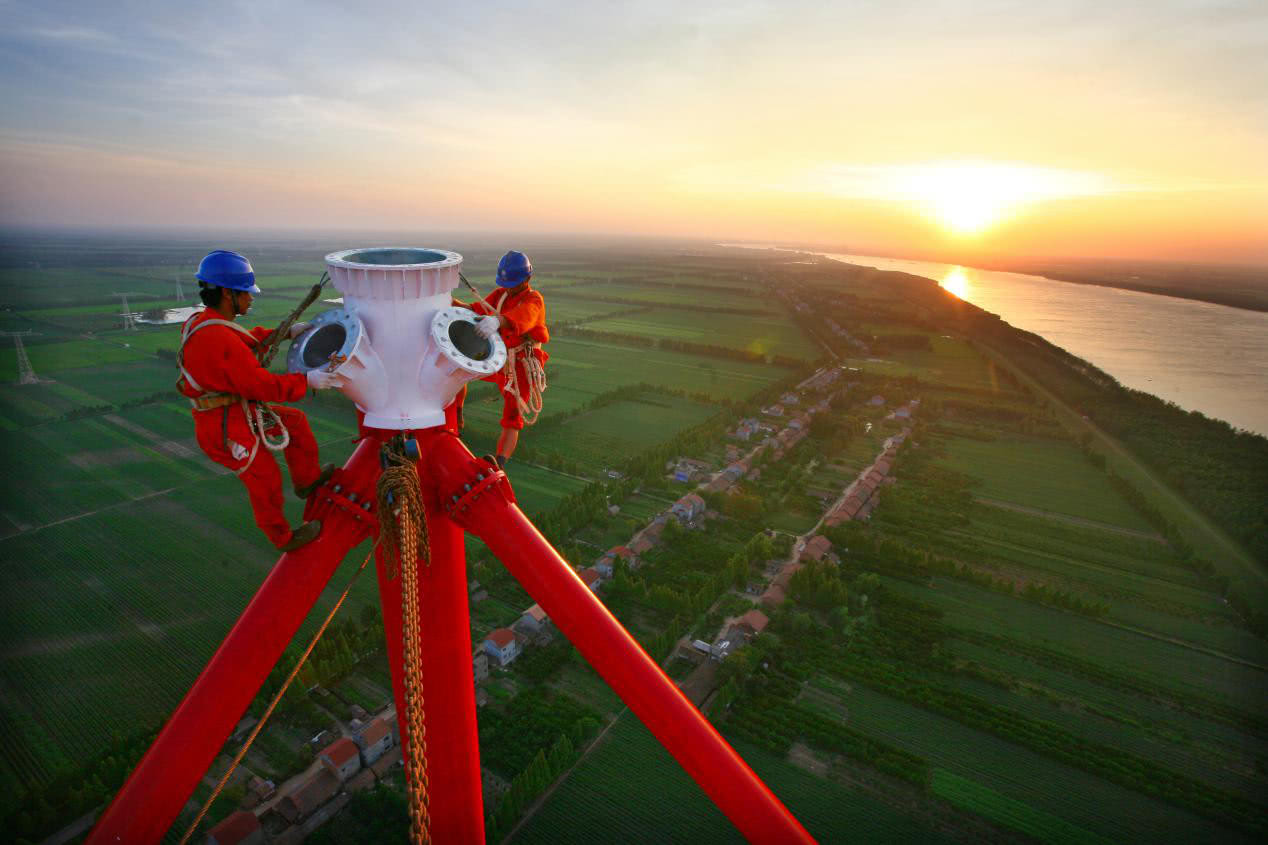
[403, 532]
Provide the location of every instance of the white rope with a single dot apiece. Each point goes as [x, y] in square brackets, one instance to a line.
[531, 406]
[255, 411]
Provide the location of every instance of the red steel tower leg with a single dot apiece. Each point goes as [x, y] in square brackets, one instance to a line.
[453, 747]
[162, 782]
[482, 502]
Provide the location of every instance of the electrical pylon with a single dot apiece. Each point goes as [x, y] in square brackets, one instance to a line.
[129, 321]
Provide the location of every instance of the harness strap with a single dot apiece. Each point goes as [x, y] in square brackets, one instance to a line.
[531, 405]
[260, 417]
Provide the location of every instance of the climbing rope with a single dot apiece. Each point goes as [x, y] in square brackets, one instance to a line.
[264, 352]
[529, 399]
[405, 541]
[259, 726]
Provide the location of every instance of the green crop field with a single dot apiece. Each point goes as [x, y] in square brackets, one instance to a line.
[1167, 664]
[1020, 775]
[633, 791]
[1016, 815]
[1042, 474]
[601, 437]
[762, 335]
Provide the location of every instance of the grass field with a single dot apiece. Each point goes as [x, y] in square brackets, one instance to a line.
[599, 438]
[1167, 664]
[772, 335]
[1051, 789]
[633, 791]
[1015, 815]
[1043, 474]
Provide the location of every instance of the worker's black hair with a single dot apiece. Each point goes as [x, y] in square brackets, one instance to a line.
[209, 294]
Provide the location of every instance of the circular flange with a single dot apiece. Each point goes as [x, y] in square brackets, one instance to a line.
[334, 332]
[394, 258]
[453, 329]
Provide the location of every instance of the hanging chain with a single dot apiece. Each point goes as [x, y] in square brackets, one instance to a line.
[405, 542]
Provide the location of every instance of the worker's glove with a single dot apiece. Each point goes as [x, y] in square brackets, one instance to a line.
[319, 379]
[488, 326]
[298, 329]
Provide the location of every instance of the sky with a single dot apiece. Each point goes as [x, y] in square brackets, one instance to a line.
[989, 128]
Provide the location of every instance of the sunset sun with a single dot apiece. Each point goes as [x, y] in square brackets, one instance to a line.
[969, 197]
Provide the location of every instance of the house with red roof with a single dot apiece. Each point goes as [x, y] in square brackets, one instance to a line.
[591, 578]
[341, 757]
[816, 547]
[238, 828]
[374, 740]
[502, 646]
[755, 621]
[317, 789]
[534, 619]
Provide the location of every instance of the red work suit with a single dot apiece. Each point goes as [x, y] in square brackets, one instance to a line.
[525, 313]
[219, 359]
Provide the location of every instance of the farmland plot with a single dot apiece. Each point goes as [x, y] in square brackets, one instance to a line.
[1044, 474]
[763, 336]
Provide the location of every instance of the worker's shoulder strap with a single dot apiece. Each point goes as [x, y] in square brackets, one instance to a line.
[507, 296]
[188, 331]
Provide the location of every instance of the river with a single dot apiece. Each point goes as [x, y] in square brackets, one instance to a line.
[1201, 356]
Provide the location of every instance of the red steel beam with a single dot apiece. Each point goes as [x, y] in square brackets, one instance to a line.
[153, 795]
[485, 507]
[456, 805]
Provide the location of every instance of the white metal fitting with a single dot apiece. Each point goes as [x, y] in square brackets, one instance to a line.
[402, 350]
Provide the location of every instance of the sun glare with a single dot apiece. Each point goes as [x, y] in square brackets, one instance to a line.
[956, 282]
[969, 197]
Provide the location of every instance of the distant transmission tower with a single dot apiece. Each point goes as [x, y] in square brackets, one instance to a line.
[26, 373]
[180, 292]
[129, 321]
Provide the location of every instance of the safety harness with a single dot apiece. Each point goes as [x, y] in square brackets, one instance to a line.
[531, 405]
[260, 417]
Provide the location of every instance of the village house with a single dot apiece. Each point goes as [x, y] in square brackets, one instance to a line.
[876, 401]
[361, 781]
[773, 596]
[816, 547]
[688, 508]
[534, 619]
[381, 766]
[754, 621]
[341, 757]
[773, 410]
[238, 828]
[311, 793]
[790, 398]
[476, 592]
[374, 740]
[502, 646]
[480, 666]
[591, 578]
[690, 469]
[606, 565]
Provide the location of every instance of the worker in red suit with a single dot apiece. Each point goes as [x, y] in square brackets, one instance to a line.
[228, 389]
[518, 313]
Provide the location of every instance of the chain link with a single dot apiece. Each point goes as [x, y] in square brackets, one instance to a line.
[405, 538]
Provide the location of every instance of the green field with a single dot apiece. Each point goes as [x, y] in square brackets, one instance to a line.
[633, 791]
[1015, 815]
[772, 335]
[1042, 474]
[1049, 788]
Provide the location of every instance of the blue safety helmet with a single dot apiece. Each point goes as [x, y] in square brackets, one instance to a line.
[227, 270]
[514, 269]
